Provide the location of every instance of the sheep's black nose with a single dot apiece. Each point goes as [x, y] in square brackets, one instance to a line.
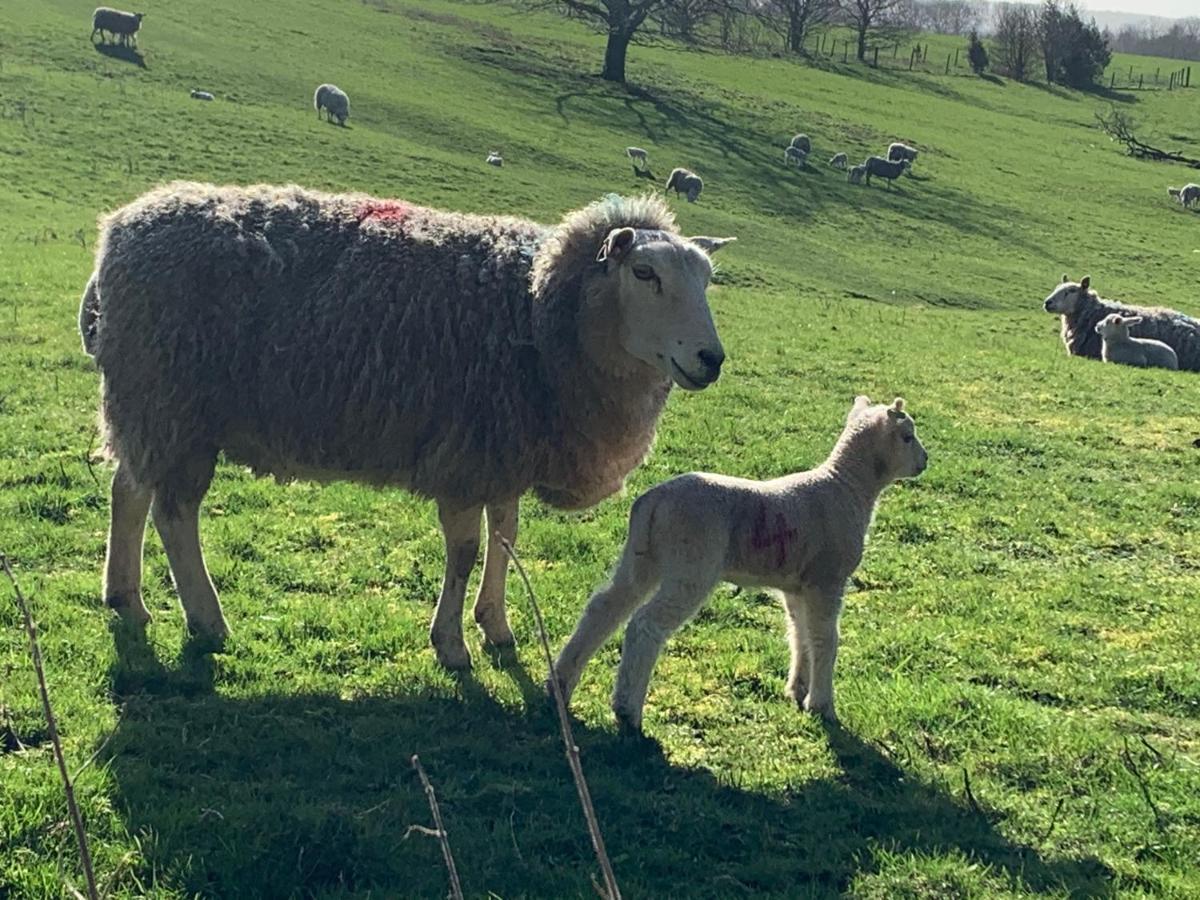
[711, 360]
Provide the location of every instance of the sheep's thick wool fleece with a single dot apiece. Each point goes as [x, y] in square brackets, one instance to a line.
[1178, 331]
[342, 336]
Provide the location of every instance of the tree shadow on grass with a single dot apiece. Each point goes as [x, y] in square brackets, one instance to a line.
[122, 52]
[238, 793]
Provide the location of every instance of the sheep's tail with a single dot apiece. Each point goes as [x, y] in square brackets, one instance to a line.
[89, 316]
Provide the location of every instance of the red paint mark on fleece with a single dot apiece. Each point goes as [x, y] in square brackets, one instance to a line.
[777, 535]
[392, 211]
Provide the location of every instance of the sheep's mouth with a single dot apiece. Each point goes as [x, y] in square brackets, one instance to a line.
[686, 381]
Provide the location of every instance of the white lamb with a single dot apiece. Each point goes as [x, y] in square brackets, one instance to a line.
[839, 160]
[638, 155]
[856, 173]
[1121, 347]
[802, 535]
[201, 95]
[494, 158]
[795, 154]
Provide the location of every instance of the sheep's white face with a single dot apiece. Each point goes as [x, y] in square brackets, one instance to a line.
[1114, 326]
[1064, 300]
[662, 282]
[898, 451]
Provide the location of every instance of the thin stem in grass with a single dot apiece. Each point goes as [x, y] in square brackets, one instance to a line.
[443, 838]
[85, 853]
[612, 891]
[1127, 759]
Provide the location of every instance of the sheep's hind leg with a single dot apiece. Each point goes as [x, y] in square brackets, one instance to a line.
[460, 529]
[176, 510]
[677, 600]
[823, 607]
[489, 602]
[126, 532]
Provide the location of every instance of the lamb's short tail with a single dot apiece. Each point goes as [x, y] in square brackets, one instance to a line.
[89, 316]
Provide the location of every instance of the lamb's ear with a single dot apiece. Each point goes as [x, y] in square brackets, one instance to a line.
[616, 245]
[711, 245]
[861, 402]
[1085, 283]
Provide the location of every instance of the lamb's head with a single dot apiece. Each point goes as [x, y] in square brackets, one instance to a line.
[1065, 299]
[1115, 327]
[660, 282]
[886, 435]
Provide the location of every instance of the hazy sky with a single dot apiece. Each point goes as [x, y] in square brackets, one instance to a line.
[1176, 9]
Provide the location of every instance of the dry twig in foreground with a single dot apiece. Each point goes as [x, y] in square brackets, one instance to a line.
[85, 853]
[564, 723]
[443, 838]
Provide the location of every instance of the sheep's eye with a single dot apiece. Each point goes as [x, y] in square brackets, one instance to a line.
[908, 439]
[643, 272]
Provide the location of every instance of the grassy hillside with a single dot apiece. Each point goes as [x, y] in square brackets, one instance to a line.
[1018, 680]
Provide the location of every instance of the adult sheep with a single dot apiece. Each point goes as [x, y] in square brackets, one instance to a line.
[898, 151]
[686, 182]
[122, 24]
[333, 100]
[308, 335]
[1082, 309]
[884, 168]
[801, 142]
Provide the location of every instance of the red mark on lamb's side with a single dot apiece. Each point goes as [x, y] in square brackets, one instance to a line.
[383, 211]
[777, 534]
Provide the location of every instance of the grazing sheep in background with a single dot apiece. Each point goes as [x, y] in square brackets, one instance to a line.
[687, 182]
[839, 160]
[796, 155]
[338, 336]
[1120, 347]
[855, 174]
[802, 534]
[802, 142]
[1189, 194]
[122, 24]
[883, 168]
[333, 100]
[494, 159]
[637, 154]
[201, 95]
[898, 151]
[1082, 309]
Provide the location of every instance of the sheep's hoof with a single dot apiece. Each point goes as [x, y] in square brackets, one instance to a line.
[499, 636]
[207, 637]
[796, 693]
[129, 607]
[629, 724]
[453, 656]
[824, 710]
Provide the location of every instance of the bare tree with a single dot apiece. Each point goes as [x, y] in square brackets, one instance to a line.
[864, 16]
[1015, 43]
[793, 20]
[620, 20]
[683, 19]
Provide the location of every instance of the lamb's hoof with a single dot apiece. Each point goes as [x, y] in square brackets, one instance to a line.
[454, 657]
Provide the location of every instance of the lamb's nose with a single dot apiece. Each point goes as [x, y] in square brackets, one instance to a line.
[711, 360]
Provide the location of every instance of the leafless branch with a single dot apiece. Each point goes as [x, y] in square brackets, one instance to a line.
[613, 892]
[1127, 759]
[443, 838]
[1053, 821]
[85, 853]
[1120, 127]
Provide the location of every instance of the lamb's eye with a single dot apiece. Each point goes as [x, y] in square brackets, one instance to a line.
[643, 272]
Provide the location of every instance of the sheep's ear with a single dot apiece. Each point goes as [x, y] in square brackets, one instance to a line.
[1133, 320]
[1085, 283]
[616, 245]
[1100, 326]
[711, 245]
[896, 410]
[1065, 278]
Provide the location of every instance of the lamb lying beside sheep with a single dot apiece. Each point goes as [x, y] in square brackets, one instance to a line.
[1082, 309]
[802, 534]
[1120, 347]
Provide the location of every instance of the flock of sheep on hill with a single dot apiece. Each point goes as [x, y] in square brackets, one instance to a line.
[899, 158]
[470, 359]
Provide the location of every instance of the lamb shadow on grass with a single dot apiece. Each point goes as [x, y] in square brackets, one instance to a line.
[282, 794]
[122, 52]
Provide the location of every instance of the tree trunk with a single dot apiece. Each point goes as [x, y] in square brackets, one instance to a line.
[614, 54]
[862, 41]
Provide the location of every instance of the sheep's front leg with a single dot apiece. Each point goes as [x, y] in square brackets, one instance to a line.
[460, 529]
[126, 533]
[822, 609]
[489, 602]
[676, 601]
[797, 683]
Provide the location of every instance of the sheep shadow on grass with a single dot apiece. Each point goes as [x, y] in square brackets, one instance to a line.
[238, 791]
[123, 52]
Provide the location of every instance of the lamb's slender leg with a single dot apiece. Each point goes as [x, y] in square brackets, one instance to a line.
[677, 600]
[823, 607]
[489, 602]
[460, 529]
[797, 683]
[126, 531]
[177, 518]
[608, 608]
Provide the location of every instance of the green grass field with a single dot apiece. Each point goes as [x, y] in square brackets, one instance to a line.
[1018, 679]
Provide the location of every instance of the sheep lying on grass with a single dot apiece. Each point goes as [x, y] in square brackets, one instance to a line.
[201, 95]
[899, 151]
[1082, 309]
[333, 100]
[839, 160]
[494, 158]
[802, 534]
[122, 24]
[856, 173]
[339, 336]
[884, 168]
[1120, 347]
[801, 142]
[796, 155]
[686, 182]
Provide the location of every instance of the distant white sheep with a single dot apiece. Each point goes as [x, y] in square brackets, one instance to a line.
[201, 95]
[686, 182]
[856, 173]
[802, 535]
[803, 142]
[122, 24]
[795, 155]
[884, 168]
[898, 151]
[839, 160]
[1121, 347]
[638, 155]
[494, 159]
[333, 100]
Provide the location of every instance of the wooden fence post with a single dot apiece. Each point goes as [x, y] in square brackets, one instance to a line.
[956, 58]
[1112, 81]
[876, 63]
[947, 63]
[845, 50]
[1140, 76]
[911, 56]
